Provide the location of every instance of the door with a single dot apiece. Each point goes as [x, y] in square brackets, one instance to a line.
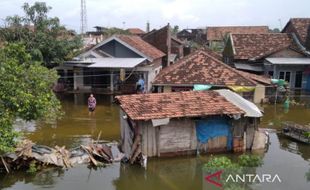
[213, 132]
[298, 79]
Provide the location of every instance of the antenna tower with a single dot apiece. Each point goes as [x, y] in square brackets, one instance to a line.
[83, 17]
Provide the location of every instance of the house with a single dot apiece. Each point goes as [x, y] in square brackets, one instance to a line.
[136, 31]
[195, 35]
[279, 55]
[178, 123]
[217, 35]
[203, 67]
[300, 27]
[163, 40]
[115, 64]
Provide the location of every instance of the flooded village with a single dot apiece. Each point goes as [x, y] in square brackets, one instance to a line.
[159, 107]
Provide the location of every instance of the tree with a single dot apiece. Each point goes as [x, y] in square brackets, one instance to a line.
[175, 30]
[275, 30]
[44, 38]
[25, 92]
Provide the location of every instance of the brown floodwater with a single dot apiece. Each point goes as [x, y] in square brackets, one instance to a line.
[289, 159]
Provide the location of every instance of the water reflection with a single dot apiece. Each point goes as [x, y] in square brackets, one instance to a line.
[77, 127]
[291, 159]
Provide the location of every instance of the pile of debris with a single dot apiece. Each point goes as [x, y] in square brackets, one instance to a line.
[26, 153]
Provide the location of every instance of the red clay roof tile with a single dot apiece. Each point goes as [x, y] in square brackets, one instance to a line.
[218, 33]
[300, 27]
[257, 46]
[201, 68]
[176, 104]
[135, 31]
[142, 46]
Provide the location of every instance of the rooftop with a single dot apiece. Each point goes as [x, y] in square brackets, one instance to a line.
[176, 104]
[135, 31]
[201, 68]
[218, 33]
[300, 27]
[142, 46]
[290, 61]
[257, 46]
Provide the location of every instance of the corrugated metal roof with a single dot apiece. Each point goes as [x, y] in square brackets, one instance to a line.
[250, 109]
[115, 62]
[289, 61]
[248, 67]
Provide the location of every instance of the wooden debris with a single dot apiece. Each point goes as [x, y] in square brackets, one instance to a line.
[27, 152]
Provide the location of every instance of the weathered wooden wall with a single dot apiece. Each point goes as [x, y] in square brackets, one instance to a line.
[179, 137]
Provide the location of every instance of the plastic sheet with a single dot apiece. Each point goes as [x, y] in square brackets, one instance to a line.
[214, 127]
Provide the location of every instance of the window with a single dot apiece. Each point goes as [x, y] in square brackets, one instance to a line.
[298, 79]
[281, 75]
[285, 75]
[288, 76]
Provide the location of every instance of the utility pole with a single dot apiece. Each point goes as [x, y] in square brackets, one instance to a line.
[83, 17]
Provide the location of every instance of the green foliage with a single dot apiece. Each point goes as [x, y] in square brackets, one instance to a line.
[224, 162]
[220, 163]
[113, 30]
[44, 38]
[25, 92]
[307, 134]
[275, 30]
[175, 30]
[249, 160]
[32, 168]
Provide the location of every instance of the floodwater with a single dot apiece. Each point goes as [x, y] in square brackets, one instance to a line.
[289, 159]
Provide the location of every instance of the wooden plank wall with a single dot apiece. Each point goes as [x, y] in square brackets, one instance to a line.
[149, 138]
[179, 135]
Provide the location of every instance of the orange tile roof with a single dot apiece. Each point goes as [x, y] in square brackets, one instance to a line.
[300, 27]
[257, 46]
[201, 68]
[218, 33]
[176, 104]
[135, 31]
[142, 46]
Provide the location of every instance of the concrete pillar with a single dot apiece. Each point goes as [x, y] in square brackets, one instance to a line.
[65, 77]
[259, 93]
[78, 78]
[111, 81]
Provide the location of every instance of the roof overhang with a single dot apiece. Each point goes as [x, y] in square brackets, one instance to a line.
[288, 61]
[108, 62]
[249, 67]
[250, 109]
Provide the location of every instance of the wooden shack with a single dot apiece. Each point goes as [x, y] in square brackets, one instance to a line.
[167, 124]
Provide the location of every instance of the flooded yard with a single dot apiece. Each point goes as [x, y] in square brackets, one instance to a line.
[291, 160]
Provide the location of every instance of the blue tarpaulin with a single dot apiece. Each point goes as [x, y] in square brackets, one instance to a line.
[214, 127]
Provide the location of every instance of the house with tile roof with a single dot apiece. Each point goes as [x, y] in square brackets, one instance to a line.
[279, 55]
[179, 123]
[115, 64]
[217, 35]
[163, 40]
[136, 31]
[300, 28]
[204, 67]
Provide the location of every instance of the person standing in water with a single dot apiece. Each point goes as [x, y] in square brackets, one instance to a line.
[91, 104]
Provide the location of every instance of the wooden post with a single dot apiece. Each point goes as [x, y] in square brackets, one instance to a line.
[111, 81]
